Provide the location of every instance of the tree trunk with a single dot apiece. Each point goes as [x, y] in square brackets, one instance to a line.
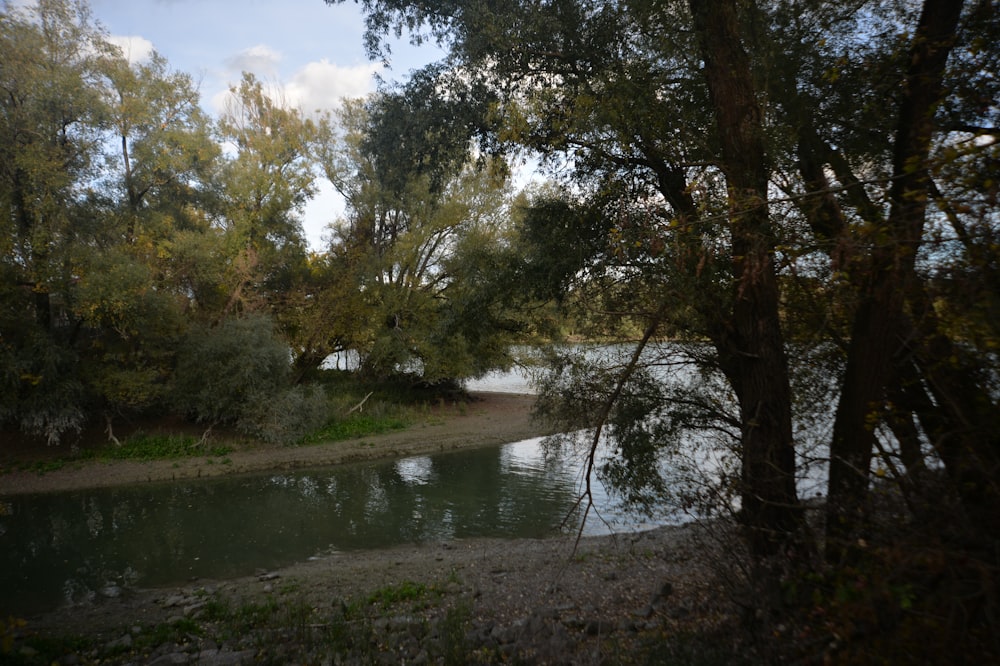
[876, 334]
[751, 343]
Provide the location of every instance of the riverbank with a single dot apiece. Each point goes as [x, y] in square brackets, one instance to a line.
[650, 597]
[488, 419]
[646, 597]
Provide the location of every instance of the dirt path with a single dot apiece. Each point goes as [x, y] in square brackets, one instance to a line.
[490, 419]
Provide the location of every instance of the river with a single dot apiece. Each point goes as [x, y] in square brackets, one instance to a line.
[70, 548]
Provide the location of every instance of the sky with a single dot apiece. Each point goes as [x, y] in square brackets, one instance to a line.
[312, 52]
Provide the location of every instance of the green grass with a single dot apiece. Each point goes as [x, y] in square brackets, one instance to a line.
[392, 594]
[140, 446]
[159, 447]
[41, 467]
[355, 426]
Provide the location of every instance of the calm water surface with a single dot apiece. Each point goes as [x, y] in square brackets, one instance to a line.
[65, 548]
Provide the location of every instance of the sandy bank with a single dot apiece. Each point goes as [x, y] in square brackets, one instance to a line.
[489, 419]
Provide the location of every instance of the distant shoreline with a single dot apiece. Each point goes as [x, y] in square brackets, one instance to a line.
[490, 419]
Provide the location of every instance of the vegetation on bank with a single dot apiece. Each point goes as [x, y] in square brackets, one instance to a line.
[303, 632]
[812, 190]
[362, 409]
[465, 612]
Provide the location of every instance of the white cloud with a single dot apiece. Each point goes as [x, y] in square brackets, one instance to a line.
[262, 60]
[322, 85]
[135, 49]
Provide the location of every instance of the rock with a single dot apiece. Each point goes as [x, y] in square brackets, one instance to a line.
[548, 613]
[194, 610]
[111, 591]
[170, 659]
[407, 624]
[225, 658]
[123, 642]
[679, 612]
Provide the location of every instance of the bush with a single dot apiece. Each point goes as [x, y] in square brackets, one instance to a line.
[289, 416]
[225, 374]
[40, 389]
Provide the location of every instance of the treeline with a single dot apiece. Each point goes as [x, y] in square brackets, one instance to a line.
[152, 258]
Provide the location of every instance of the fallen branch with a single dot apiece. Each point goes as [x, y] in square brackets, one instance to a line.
[111, 433]
[204, 437]
[358, 406]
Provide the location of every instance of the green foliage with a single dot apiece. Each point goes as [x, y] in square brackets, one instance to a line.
[40, 389]
[228, 373]
[263, 189]
[419, 248]
[133, 241]
[289, 415]
[674, 123]
[394, 594]
[134, 327]
[140, 446]
[355, 426]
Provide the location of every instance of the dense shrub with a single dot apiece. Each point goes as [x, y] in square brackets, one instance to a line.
[226, 373]
[288, 416]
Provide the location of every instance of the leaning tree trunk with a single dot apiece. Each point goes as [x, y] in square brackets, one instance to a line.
[751, 343]
[879, 321]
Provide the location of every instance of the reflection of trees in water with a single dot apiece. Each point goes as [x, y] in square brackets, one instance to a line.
[159, 534]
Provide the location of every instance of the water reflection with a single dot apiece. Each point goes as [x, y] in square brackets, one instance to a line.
[66, 548]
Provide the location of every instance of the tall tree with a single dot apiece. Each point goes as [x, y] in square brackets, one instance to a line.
[604, 85]
[701, 113]
[408, 227]
[164, 150]
[263, 187]
[54, 66]
[131, 298]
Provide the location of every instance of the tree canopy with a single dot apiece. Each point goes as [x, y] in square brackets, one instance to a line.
[146, 243]
[809, 188]
[788, 209]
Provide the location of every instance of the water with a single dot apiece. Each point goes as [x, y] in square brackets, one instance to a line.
[68, 548]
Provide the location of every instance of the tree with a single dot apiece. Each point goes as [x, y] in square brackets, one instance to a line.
[164, 147]
[698, 115]
[262, 189]
[405, 245]
[53, 72]
[579, 87]
[131, 298]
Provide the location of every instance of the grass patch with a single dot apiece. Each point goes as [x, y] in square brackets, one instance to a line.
[417, 594]
[392, 594]
[355, 426]
[139, 447]
[159, 447]
[42, 467]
